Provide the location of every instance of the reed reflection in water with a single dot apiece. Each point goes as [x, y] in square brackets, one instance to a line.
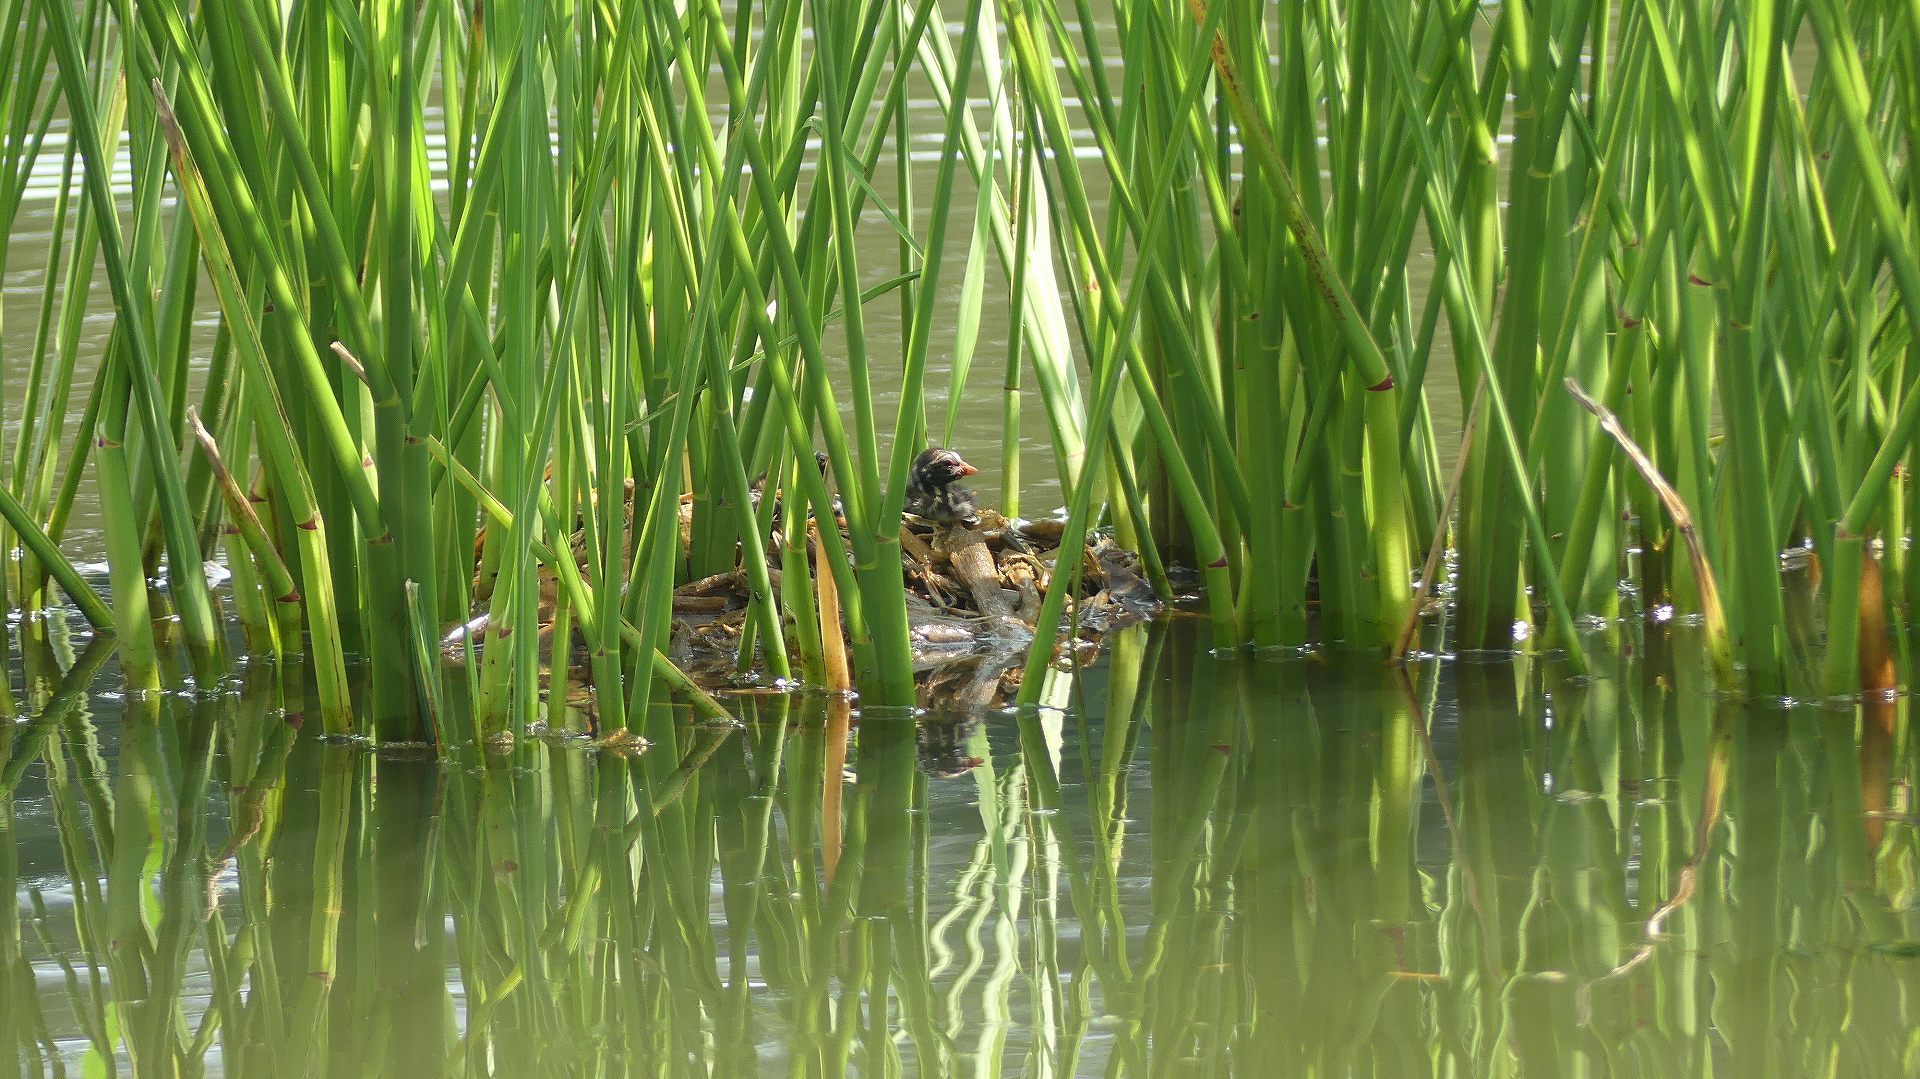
[1202, 866]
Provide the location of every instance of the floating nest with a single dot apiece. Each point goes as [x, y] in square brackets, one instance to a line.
[974, 593]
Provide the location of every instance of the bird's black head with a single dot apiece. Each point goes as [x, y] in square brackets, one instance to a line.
[939, 466]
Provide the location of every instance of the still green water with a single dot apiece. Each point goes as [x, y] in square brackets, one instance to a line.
[1281, 866]
[1200, 865]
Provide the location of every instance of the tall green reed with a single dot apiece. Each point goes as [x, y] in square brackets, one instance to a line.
[580, 274]
[568, 330]
[1559, 173]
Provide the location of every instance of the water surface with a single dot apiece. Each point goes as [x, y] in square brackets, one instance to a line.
[1200, 865]
[1190, 864]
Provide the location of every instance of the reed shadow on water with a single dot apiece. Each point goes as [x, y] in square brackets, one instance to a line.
[1202, 864]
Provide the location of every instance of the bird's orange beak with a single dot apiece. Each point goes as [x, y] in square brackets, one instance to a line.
[966, 469]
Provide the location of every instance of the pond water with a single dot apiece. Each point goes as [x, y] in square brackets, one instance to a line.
[1191, 864]
[1198, 865]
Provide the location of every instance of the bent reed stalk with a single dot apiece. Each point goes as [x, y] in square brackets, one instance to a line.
[563, 268]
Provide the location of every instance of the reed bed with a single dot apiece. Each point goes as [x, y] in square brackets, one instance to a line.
[1644, 200]
[332, 910]
[532, 277]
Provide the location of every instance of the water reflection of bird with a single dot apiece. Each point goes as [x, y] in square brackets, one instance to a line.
[942, 745]
[933, 490]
